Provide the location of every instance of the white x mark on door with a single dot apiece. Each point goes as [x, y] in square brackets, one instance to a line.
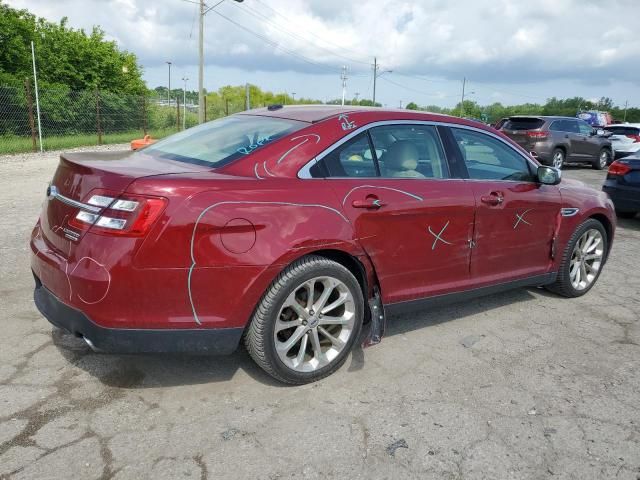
[438, 236]
[520, 218]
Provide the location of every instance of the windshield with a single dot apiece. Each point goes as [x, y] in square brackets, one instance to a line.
[222, 141]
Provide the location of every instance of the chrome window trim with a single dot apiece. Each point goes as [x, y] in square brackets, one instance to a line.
[74, 203]
[304, 172]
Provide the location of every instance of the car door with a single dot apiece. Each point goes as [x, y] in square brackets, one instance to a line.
[411, 218]
[515, 217]
[576, 140]
[589, 147]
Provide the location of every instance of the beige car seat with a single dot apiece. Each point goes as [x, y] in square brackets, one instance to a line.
[401, 160]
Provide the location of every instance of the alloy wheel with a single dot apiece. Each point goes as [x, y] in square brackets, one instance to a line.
[314, 324]
[558, 159]
[586, 259]
[604, 158]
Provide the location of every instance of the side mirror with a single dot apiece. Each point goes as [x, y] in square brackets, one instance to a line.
[549, 175]
[600, 132]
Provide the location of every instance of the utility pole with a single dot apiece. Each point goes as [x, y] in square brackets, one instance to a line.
[203, 12]
[247, 101]
[400, 104]
[201, 65]
[184, 103]
[343, 77]
[293, 96]
[464, 82]
[357, 94]
[626, 102]
[169, 90]
[375, 76]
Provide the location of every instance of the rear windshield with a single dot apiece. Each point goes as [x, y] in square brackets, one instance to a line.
[523, 124]
[222, 141]
[623, 130]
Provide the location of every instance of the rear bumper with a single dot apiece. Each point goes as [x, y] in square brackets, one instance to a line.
[624, 198]
[207, 341]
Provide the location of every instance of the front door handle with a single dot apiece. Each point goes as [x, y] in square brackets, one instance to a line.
[494, 198]
[369, 203]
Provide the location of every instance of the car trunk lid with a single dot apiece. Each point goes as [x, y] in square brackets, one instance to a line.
[525, 131]
[79, 174]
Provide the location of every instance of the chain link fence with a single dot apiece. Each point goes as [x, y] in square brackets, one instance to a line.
[92, 117]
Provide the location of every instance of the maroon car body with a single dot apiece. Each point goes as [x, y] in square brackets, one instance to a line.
[187, 263]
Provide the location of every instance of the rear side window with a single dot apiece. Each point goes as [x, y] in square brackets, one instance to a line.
[409, 151]
[523, 124]
[488, 158]
[222, 141]
[351, 159]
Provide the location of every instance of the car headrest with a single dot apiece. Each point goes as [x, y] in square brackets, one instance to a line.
[401, 155]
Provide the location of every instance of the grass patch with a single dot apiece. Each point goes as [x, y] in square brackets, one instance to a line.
[15, 144]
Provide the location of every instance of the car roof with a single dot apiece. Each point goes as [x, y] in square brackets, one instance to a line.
[318, 113]
[633, 125]
[545, 117]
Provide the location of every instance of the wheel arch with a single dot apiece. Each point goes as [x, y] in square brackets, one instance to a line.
[608, 227]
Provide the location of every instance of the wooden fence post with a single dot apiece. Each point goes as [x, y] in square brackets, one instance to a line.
[226, 107]
[98, 123]
[32, 123]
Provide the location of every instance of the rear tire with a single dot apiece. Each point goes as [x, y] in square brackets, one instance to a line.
[582, 260]
[602, 161]
[557, 158]
[296, 334]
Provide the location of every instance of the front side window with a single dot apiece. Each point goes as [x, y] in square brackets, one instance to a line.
[351, 159]
[488, 158]
[217, 143]
[409, 151]
[585, 128]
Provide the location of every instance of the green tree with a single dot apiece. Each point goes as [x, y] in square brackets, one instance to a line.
[412, 106]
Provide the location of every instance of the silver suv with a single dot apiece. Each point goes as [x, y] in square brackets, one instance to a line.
[556, 140]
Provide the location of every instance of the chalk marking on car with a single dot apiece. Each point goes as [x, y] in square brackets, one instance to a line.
[417, 197]
[239, 202]
[255, 170]
[307, 135]
[108, 282]
[264, 165]
[520, 218]
[438, 236]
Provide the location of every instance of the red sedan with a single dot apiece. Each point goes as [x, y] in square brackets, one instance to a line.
[290, 227]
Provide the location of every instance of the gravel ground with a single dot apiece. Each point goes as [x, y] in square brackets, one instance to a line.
[518, 385]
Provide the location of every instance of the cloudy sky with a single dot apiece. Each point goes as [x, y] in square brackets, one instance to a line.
[510, 51]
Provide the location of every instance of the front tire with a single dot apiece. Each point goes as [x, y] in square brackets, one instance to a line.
[307, 321]
[582, 260]
[602, 161]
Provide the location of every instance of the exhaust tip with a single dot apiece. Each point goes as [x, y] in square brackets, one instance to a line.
[90, 343]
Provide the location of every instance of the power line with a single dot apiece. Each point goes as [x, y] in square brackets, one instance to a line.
[386, 79]
[276, 45]
[292, 34]
[361, 54]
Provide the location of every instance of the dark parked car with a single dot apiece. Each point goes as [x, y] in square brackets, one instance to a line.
[286, 228]
[554, 140]
[623, 185]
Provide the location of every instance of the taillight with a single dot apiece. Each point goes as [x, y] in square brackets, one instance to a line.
[129, 215]
[619, 168]
[635, 138]
[537, 134]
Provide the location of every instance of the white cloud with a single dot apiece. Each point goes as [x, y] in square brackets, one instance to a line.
[493, 41]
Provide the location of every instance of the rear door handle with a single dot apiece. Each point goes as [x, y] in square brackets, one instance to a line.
[494, 198]
[371, 204]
